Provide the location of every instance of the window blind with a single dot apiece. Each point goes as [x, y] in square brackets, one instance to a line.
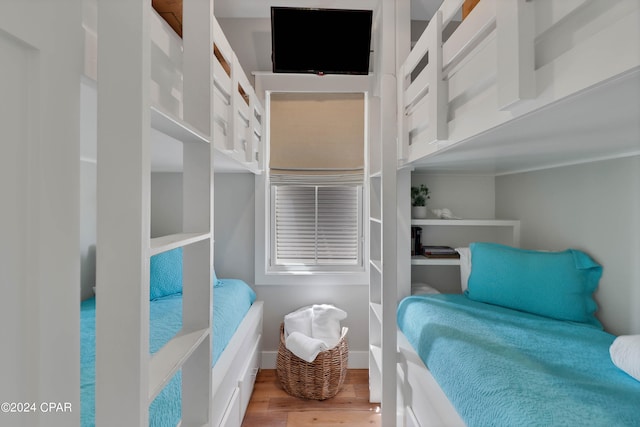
[316, 132]
[317, 224]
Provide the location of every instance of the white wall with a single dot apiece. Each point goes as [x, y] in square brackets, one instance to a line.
[166, 203]
[593, 207]
[234, 236]
[467, 196]
[250, 39]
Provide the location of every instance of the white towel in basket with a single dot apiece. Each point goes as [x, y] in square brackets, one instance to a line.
[312, 329]
[305, 347]
[325, 323]
[298, 321]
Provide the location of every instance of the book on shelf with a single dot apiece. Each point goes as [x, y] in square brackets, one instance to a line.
[448, 256]
[439, 252]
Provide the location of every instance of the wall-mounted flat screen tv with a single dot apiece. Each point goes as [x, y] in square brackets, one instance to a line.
[320, 41]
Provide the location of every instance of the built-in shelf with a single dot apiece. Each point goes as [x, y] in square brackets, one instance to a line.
[468, 222]
[423, 260]
[166, 361]
[173, 241]
[506, 223]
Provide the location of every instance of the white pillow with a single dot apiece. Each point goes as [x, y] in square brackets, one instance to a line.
[625, 354]
[465, 267]
[422, 289]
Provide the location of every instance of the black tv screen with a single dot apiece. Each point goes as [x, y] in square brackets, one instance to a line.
[320, 41]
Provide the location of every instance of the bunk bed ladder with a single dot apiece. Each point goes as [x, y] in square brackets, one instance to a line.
[388, 194]
[128, 378]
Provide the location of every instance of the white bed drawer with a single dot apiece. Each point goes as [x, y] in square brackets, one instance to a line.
[231, 417]
[248, 376]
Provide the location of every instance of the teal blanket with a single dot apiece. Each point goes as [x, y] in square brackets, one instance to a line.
[232, 300]
[501, 367]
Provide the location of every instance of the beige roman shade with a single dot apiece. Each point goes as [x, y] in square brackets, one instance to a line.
[317, 133]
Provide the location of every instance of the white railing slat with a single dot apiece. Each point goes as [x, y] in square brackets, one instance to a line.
[516, 44]
[469, 34]
[438, 99]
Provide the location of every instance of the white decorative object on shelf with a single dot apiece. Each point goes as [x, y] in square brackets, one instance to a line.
[444, 213]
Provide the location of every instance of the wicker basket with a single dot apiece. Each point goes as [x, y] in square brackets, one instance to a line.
[319, 380]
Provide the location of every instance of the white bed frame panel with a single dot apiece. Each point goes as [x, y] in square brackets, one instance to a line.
[424, 402]
[504, 61]
[41, 51]
[223, 95]
[237, 115]
[235, 371]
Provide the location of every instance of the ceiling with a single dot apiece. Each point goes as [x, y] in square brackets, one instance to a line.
[420, 9]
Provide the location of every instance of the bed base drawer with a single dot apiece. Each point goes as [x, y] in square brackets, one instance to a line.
[231, 417]
[248, 377]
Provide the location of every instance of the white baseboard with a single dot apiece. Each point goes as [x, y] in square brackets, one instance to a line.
[357, 359]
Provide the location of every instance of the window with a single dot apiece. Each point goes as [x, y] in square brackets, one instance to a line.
[314, 190]
[316, 225]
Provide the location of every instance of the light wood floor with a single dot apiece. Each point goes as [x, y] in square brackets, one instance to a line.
[271, 406]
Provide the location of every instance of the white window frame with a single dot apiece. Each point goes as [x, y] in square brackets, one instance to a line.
[304, 276]
[267, 83]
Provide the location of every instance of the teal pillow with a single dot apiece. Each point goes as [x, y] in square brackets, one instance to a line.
[216, 282]
[559, 285]
[165, 271]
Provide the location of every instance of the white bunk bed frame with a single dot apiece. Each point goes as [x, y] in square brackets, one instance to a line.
[182, 89]
[238, 112]
[501, 64]
[506, 60]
